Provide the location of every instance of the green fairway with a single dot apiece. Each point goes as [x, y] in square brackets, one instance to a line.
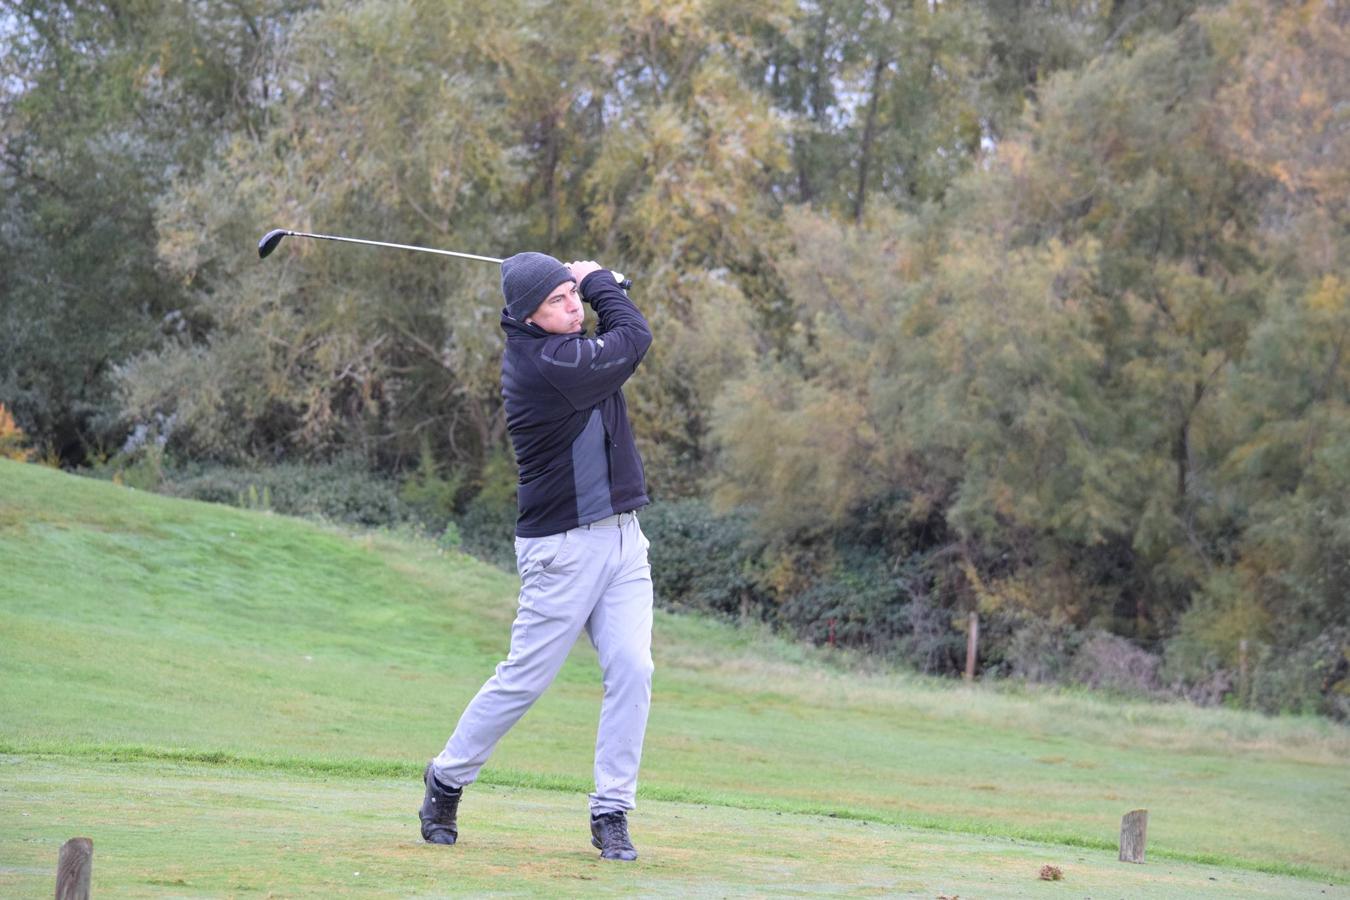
[244, 702]
[173, 830]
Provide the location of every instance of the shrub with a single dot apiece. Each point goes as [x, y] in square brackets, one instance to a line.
[857, 598]
[931, 645]
[1311, 678]
[1108, 661]
[428, 494]
[488, 524]
[700, 561]
[718, 564]
[1041, 650]
[1222, 613]
[1209, 689]
[1200, 659]
[140, 465]
[13, 442]
[340, 491]
[450, 538]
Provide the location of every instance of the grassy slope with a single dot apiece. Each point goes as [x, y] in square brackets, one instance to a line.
[136, 627]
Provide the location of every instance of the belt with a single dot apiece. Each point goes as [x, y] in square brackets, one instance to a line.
[616, 520]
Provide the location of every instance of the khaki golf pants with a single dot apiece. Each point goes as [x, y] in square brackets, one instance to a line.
[594, 577]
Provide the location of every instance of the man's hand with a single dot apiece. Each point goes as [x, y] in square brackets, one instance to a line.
[581, 268]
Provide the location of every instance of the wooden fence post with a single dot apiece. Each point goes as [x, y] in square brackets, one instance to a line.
[1133, 835]
[73, 869]
[972, 644]
[1244, 686]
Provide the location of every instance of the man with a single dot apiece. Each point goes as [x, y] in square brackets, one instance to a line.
[581, 556]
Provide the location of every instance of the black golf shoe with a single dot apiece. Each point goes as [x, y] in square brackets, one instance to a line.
[609, 834]
[439, 807]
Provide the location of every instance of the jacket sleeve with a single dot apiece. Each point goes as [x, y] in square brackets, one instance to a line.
[587, 370]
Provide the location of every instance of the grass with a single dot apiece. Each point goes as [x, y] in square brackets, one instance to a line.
[155, 648]
[160, 829]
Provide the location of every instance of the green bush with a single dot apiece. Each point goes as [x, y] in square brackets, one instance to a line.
[1313, 678]
[861, 596]
[450, 538]
[340, 491]
[858, 601]
[488, 524]
[141, 464]
[428, 494]
[699, 560]
[1200, 659]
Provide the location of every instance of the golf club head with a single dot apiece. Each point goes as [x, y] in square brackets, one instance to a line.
[269, 241]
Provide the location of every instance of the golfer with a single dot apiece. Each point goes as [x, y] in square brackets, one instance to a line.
[581, 556]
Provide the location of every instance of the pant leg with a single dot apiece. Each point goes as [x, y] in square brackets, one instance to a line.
[620, 627]
[560, 581]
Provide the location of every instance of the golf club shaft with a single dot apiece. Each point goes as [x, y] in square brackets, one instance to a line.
[349, 240]
[272, 238]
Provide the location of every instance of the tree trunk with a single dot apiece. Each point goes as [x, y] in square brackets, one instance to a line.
[817, 105]
[1181, 454]
[869, 134]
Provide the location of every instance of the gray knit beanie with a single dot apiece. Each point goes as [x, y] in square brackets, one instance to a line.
[527, 279]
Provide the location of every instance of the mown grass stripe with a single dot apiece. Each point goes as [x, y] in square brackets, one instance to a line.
[377, 768]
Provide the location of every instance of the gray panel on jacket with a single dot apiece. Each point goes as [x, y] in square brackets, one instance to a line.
[590, 470]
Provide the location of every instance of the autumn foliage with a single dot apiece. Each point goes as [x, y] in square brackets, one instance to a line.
[1036, 310]
[12, 439]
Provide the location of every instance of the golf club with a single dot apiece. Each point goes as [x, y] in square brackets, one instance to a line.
[272, 238]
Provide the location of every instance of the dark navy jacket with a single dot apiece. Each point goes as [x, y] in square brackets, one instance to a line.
[567, 417]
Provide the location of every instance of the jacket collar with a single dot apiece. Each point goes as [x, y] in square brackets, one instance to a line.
[517, 330]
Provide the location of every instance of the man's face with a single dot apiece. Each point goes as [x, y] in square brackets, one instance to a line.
[561, 311]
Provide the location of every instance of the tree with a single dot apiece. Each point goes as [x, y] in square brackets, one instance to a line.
[1110, 364]
[466, 126]
[1290, 415]
[100, 105]
[885, 98]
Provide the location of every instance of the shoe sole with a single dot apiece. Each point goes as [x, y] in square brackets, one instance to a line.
[596, 845]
